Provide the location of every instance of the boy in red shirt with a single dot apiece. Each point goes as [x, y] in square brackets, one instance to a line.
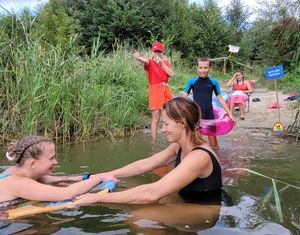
[158, 71]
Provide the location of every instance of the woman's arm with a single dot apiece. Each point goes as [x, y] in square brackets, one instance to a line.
[231, 81]
[191, 167]
[21, 187]
[145, 165]
[249, 88]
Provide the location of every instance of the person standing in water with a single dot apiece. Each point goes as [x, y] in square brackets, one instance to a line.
[196, 174]
[203, 87]
[158, 70]
[35, 158]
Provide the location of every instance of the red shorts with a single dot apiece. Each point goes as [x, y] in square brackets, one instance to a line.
[158, 95]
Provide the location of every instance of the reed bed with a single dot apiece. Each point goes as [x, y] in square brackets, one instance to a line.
[54, 92]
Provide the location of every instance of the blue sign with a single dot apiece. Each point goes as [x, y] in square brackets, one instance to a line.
[274, 72]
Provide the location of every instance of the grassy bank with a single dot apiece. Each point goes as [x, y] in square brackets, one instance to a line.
[68, 95]
[60, 94]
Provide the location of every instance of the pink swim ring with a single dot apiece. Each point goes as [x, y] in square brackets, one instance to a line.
[221, 125]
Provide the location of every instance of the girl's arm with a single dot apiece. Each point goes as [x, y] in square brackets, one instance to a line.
[50, 179]
[21, 187]
[137, 56]
[191, 167]
[165, 65]
[145, 165]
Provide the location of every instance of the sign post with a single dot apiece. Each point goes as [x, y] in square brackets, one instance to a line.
[275, 73]
[232, 49]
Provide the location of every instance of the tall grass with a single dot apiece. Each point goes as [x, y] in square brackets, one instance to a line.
[273, 190]
[47, 90]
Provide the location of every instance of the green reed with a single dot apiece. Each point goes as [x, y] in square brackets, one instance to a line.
[294, 128]
[55, 92]
[273, 190]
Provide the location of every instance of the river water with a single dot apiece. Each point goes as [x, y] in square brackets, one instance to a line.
[247, 209]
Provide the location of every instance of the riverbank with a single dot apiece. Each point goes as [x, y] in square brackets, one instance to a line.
[261, 118]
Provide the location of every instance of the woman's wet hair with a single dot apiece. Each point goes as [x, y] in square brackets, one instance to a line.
[183, 110]
[27, 147]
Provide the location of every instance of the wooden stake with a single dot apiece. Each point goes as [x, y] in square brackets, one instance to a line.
[277, 100]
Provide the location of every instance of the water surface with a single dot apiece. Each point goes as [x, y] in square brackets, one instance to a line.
[245, 214]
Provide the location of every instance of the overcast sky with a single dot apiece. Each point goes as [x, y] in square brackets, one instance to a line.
[250, 4]
[222, 3]
[16, 5]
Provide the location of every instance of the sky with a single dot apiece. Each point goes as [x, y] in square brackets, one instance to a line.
[250, 4]
[222, 3]
[16, 5]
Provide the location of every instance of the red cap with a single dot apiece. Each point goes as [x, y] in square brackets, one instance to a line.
[157, 46]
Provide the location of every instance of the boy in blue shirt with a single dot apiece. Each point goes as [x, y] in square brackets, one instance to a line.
[203, 86]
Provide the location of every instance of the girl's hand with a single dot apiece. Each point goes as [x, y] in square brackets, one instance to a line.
[136, 55]
[157, 59]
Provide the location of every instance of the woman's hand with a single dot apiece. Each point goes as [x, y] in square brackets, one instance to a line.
[104, 177]
[235, 76]
[88, 198]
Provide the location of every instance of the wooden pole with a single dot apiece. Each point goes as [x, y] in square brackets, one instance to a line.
[277, 100]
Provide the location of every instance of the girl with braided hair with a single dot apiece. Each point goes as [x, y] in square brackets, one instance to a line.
[35, 158]
[197, 172]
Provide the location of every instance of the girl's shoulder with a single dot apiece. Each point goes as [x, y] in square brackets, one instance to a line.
[10, 170]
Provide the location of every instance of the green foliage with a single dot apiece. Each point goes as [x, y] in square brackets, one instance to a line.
[294, 128]
[236, 17]
[69, 58]
[276, 193]
[291, 80]
[48, 91]
[54, 26]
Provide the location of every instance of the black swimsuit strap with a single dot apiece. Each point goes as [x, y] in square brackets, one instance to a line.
[211, 155]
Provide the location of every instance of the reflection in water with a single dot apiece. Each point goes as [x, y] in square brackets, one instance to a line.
[182, 216]
[41, 224]
[246, 215]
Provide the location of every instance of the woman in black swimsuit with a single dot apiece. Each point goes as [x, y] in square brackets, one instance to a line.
[197, 170]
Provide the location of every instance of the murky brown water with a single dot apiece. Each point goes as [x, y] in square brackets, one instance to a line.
[247, 213]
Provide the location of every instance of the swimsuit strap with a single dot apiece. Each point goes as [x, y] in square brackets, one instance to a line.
[2, 176]
[211, 155]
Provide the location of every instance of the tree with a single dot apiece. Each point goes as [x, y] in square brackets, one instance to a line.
[236, 16]
[54, 25]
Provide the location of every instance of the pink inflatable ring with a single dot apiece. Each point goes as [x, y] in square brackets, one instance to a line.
[221, 125]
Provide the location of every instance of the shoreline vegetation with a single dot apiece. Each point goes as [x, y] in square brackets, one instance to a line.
[73, 98]
[67, 97]
[68, 73]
